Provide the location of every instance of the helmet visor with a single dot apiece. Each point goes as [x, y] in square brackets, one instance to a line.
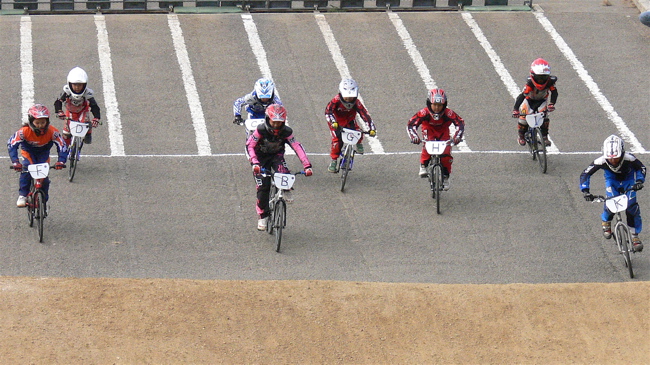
[540, 79]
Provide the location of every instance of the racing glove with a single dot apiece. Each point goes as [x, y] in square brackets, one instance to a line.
[587, 195]
[95, 122]
[372, 133]
[515, 113]
[415, 139]
[638, 185]
[256, 169]
[238, 120]
[308, 172]
[550, 107]
[18, 166]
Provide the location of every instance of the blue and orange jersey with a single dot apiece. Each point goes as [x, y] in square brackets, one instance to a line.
[36, 147]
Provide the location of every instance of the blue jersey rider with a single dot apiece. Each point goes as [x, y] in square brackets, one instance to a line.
[256, 101]
[622, 171]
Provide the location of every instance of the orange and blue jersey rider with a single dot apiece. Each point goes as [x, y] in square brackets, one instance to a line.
[35, 141]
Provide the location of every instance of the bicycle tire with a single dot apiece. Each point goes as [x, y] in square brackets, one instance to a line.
[437, 184]
[72, 160]
[540, 150]
[39, 205]
[270, 219]
[279, 222]
[345, 166]
[30, 209]
[624, 242]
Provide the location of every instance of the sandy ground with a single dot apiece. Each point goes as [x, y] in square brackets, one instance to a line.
[129, 321]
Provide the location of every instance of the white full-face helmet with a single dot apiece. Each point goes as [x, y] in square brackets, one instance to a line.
[614, 148]
[77, 76]
[264, 88]
[348, 88]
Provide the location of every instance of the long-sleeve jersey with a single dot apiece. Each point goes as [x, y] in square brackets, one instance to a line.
[263, 142]
[33, 145]
[65, 98]
[531, 92]
[253, 104]
[631, 170]
[337, 112]
[424, 118]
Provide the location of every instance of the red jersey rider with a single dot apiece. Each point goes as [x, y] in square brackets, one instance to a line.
[534, 98]
[266, 151]
[35, 141]
[341, 112]
[435, 120]
[78, 99]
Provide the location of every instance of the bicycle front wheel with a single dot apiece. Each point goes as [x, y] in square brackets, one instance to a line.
[30, 209]
[72, 159]
[279, 220]
[624, 242]
[346, 162]
[437, 184]
[540, 150]
[39, 207]
[270, 218]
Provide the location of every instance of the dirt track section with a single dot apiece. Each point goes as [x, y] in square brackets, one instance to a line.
[129, 321]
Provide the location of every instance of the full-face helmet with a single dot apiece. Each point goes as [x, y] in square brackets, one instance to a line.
[77, 76]
[38, 111]
[436, 96]
[264, 88]
[613, 151]
[348, 88]
[540, 72]
[275, 113]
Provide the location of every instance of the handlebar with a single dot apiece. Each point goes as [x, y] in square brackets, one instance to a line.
[265, 172]
[74, 120]
[11, 167]
[601, 198]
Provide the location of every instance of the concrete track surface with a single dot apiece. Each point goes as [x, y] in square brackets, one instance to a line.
[164, 191]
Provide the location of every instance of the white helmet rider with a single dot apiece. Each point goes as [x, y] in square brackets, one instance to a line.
[614, 148]
[77, 76]
[348, 88]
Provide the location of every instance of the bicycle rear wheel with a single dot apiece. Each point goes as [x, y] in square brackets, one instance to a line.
[39, 206]
[624, 242]
[346, 162]
[540, 149]
[279, 222]
[437, 184]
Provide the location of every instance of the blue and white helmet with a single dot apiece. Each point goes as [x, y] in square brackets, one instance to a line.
[264, 88]
[613, 147]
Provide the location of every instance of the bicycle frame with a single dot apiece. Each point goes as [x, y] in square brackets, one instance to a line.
[434, 171]
[535, 139]
[350, 138]
[78, 131]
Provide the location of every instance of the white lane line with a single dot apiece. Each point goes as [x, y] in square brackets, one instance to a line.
[260, 55]
[625, 132]
[112, 111]
[26, 65]
[339, 61]
[498, 66]
[192, 94]
[418, 61]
